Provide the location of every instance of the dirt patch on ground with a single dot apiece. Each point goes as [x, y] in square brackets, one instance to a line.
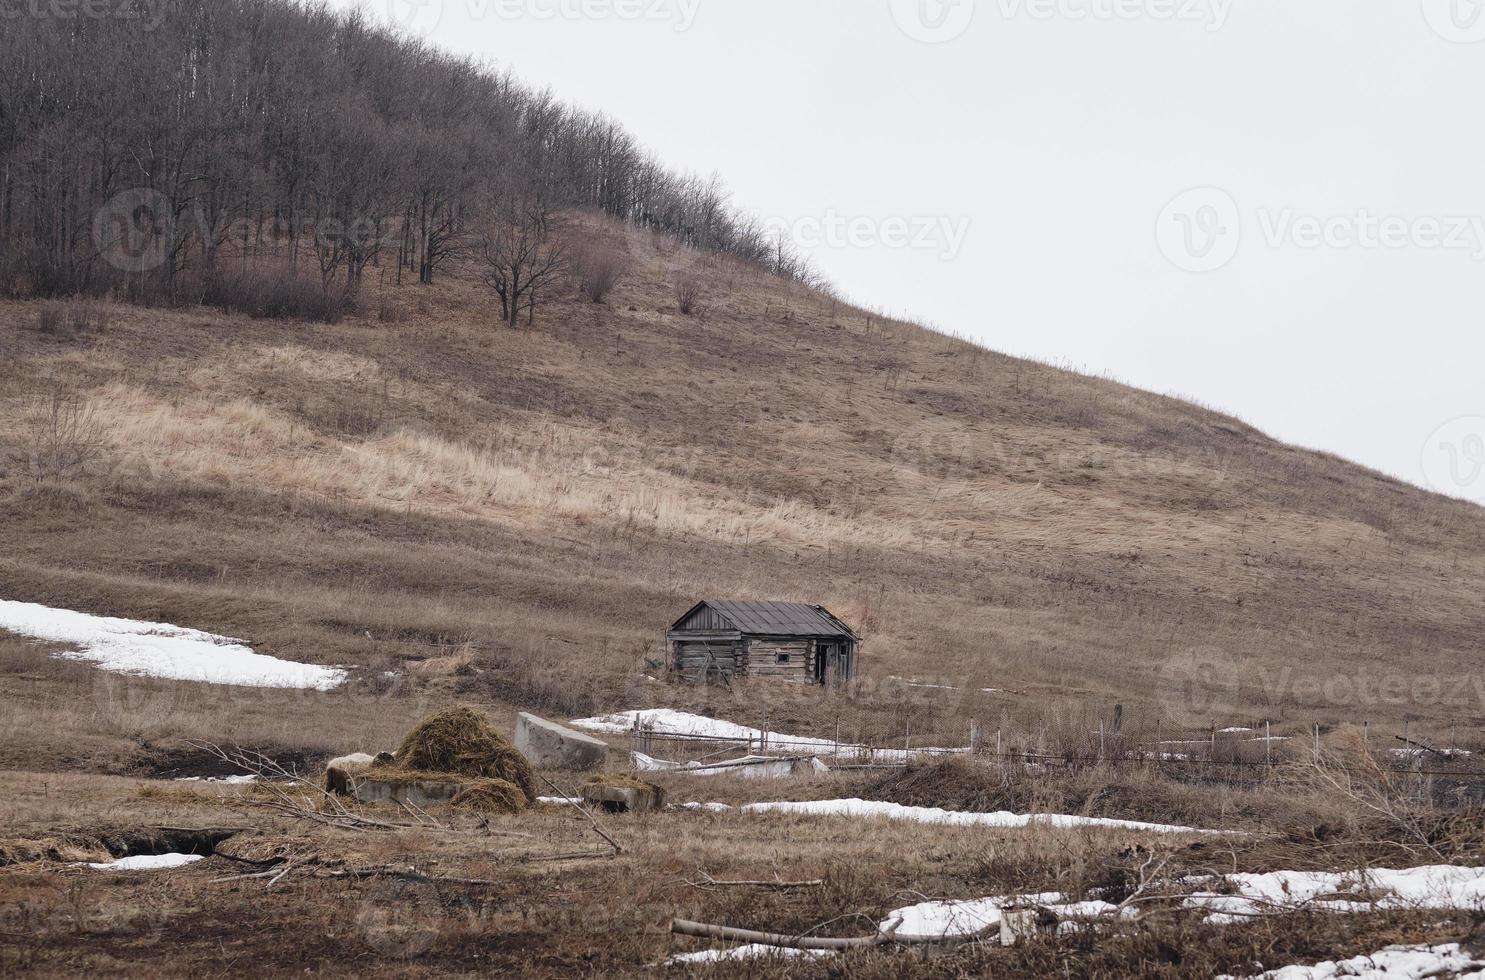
[111, 842]
[180, 760]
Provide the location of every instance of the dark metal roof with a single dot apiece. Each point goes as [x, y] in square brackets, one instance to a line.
[770, 618]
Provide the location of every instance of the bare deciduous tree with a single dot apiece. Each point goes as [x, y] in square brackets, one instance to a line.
[234, 133]
[518, 255]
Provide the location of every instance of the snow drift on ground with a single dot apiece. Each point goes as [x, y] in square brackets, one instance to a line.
[933, 815]
[1440, 886]
[667, 721]
[126, 646]
[148, 862]
[749, 952]
[936, 920]
[1392, 963]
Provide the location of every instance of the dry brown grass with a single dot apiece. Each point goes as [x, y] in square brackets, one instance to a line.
[610, 916]
[388, 493]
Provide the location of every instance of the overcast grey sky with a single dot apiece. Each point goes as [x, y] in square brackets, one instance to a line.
[1274, 207]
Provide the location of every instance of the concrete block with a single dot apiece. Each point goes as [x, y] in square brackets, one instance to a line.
[624, 799]
[418, 792]
[548, 745]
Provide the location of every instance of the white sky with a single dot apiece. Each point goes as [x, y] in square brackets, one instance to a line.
[1054, 133]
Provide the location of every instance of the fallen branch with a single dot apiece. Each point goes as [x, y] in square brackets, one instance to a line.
[707, 881]
[330, 869]
[703, 930]
[583, 808]
[405, 874]
[576, 856]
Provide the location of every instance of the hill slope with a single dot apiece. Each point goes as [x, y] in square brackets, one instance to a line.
[538, 504]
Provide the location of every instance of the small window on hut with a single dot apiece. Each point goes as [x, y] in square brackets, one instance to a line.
[782, 658]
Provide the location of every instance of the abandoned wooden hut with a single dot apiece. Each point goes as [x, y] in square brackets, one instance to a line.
[719, 639]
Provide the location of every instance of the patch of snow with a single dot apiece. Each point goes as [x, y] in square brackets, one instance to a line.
[709, 807]
[915, 683]
[1420, 753]
[561, 800]
[1233, 731]
[752, 951]
[933, 815]
[1441, 886]
[667, 721]
[1392, 963]
[126, 646]
[225, 780]
[936, 920]
[929, 920]
[148, 862]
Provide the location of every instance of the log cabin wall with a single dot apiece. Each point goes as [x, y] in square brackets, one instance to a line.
[697, 655]
[792, 641]
[783, 657]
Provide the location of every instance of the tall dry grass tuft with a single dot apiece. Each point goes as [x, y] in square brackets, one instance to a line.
[71, 317]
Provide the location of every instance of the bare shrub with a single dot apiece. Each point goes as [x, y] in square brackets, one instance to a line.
[599, 269]
[279, 297]
[688, 292]
[389, 312]
[61, 435]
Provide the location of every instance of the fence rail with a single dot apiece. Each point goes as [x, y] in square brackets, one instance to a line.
[1146, 754]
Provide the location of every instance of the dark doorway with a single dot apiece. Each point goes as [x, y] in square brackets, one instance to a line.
[826, 655]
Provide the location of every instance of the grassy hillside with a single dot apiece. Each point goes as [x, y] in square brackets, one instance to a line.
[512, 517]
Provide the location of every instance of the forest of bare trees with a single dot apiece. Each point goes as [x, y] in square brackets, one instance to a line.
[167, 153]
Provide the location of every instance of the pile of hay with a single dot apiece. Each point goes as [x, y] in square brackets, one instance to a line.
[491, 796]
[458, 742]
